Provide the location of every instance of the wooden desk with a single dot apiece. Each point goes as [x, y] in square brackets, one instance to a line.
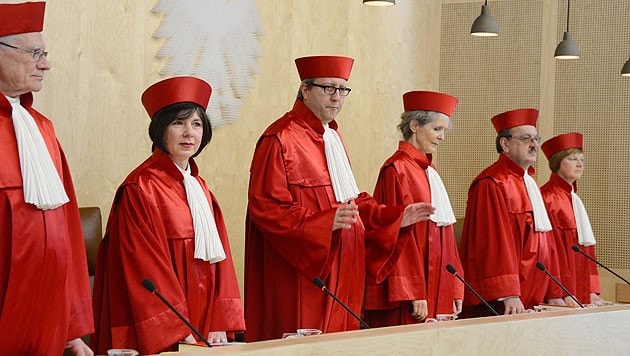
[622, 293]
[596, 331]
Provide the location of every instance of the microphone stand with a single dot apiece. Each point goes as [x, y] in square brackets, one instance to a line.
[320, 284]
[542, 268]
[453, 271]
[148, 285]
[577, 249]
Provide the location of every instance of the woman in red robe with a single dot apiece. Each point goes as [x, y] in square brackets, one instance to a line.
[416, 284]
[571, 226]
[167, 226]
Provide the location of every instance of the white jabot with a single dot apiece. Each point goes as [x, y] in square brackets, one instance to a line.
[343, 183]
[208, 246]
[541, 219]
[584, 230]
[40, 179]
[443, 215]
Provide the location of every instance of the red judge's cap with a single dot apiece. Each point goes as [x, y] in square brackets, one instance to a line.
[324, 66]
[561, 143]
[176, 90]
[429, 101]
[513, 118]
[21, 18]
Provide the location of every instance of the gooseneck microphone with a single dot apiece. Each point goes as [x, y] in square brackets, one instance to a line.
[544, 269]
[320, 284]
[148, 285]
[577, 249]
[453, 271]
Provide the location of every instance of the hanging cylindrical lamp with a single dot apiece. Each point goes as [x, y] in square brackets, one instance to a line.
[485, 25]
[379, 2]
[567, 49]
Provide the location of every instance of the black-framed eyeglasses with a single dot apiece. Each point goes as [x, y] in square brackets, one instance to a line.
[331, 90]
[36, 53]
[527, 139]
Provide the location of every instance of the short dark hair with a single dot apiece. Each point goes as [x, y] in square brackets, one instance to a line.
[309, 83]
[502, 134]
[178, 111]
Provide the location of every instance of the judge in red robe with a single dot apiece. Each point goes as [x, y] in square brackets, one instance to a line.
[571, 225]
[507, 230]
[306, 218]
[167, 226]
[44, 287]
[416, 284]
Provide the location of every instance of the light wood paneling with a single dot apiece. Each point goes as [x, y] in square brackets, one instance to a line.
[597, 331]
[517, 69]
[103, 58]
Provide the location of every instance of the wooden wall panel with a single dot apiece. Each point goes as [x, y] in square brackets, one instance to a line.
[103, 58]
[591, 97]
[517, 69]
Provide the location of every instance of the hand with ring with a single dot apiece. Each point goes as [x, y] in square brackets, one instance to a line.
[513, 305]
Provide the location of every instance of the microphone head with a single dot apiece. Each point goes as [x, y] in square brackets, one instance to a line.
[540, 266]
[318, 282]
[575, 248]
[451, 269]
[148, 285]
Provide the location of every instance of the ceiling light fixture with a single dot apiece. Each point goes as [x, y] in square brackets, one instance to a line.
[625, 71]
[485, 25]
[567, 49]
[379, 2]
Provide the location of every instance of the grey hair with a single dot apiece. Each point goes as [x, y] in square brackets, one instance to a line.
[8, 39]
[423, 117]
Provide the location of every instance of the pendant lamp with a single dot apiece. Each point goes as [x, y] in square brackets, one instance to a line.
[379, 2]
[567, 49]
[625, 71]
[485, 25]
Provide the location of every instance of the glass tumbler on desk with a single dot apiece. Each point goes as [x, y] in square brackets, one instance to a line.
[122, 352]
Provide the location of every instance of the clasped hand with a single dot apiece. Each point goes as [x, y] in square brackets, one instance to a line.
[346, 215]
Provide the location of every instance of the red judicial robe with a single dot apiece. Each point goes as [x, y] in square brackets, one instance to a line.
[417, 270]
[44, 285]
[150, 235]
[499, 247]
[289, 238]
[577, 273]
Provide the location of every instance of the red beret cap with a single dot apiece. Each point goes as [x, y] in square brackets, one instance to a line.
[176, 90]
[561, 143]
[513, 118]
[429, 101]
[324, 67]
[21, 18]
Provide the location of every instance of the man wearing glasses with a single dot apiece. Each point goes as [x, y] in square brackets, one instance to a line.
[45, 304]
[307, 219]
[506, 228]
